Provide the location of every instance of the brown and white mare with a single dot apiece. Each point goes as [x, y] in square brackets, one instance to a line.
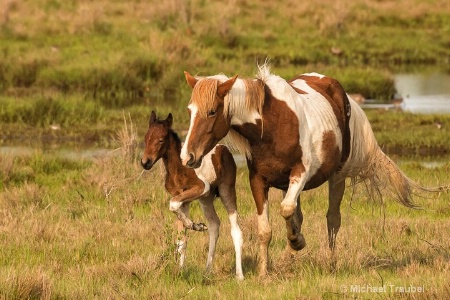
[296, 135]
[215, 177]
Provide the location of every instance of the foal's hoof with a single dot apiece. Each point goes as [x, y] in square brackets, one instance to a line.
[297, 243]
[199, 227]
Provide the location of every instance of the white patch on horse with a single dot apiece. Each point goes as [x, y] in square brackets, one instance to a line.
[236, 234]
[289, 203]
[184, 155]
[206, 171]
[175, 205]
[314, 74]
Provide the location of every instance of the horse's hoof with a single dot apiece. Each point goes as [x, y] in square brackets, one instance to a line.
[298, 243]
[199, 227]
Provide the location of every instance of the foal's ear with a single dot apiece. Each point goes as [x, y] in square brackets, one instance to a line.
[152, 118]
[190, 79]
[169, 120]
[225, 87]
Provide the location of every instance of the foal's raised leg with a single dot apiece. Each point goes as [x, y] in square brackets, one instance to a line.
[185, 197]
[209, 211]
[336, 188]
[227, 194]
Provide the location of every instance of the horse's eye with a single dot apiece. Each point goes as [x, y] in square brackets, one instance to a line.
[211, 113]
[161, 141]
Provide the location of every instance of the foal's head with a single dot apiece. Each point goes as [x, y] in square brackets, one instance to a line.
[156, 140]
[209, 119]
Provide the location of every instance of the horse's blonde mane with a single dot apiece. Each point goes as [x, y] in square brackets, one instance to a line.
[247, 95]
[204, 94]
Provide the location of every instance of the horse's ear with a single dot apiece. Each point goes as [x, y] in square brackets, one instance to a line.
[152, 118]
[225, 87]
[190, 79]
[169, 120]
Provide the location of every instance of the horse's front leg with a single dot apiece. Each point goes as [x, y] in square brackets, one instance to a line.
[296, 240]
[185, 197]
[291, 211]
[260, 191]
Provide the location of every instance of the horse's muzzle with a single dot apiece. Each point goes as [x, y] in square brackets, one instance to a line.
[147, 165]
[192, 162]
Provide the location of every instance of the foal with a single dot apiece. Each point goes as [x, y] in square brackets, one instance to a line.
[216, 176]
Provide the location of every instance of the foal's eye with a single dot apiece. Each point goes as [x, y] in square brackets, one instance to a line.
[161, 141]
[211, 113]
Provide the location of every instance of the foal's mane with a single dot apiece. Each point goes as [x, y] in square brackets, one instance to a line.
[177, 140]
[173, 134]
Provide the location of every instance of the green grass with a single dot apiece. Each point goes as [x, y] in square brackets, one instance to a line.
[141, 49]
[407, 133]
[102, 229]
[82, 119]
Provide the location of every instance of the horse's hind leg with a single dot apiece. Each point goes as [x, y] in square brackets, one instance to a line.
[181, 242]
[294, 227]
[336, 188]
[209, 211]
[227, 194]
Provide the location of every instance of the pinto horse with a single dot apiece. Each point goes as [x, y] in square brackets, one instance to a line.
[215, 177]
[296, 135]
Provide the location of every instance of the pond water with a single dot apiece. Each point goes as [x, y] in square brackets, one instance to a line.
[421, 93]
[424, 93]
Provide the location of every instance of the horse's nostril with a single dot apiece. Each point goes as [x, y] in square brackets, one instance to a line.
[191, 158]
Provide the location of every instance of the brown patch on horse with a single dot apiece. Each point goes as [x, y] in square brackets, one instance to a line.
[299, 91]
[335, 94]
[221, 159]
[284, 141]
[330, 150]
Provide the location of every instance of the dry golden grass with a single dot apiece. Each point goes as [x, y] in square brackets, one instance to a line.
[108, 233]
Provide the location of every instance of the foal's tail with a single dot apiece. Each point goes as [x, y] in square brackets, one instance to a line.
[369, 164]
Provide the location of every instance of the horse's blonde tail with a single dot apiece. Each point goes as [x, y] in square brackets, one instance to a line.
[369, 164]
[385, 177]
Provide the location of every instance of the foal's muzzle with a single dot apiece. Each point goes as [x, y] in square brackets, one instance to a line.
[147, 165]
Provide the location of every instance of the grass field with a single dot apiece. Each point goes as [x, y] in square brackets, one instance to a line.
[102, 230]
[117, 49]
